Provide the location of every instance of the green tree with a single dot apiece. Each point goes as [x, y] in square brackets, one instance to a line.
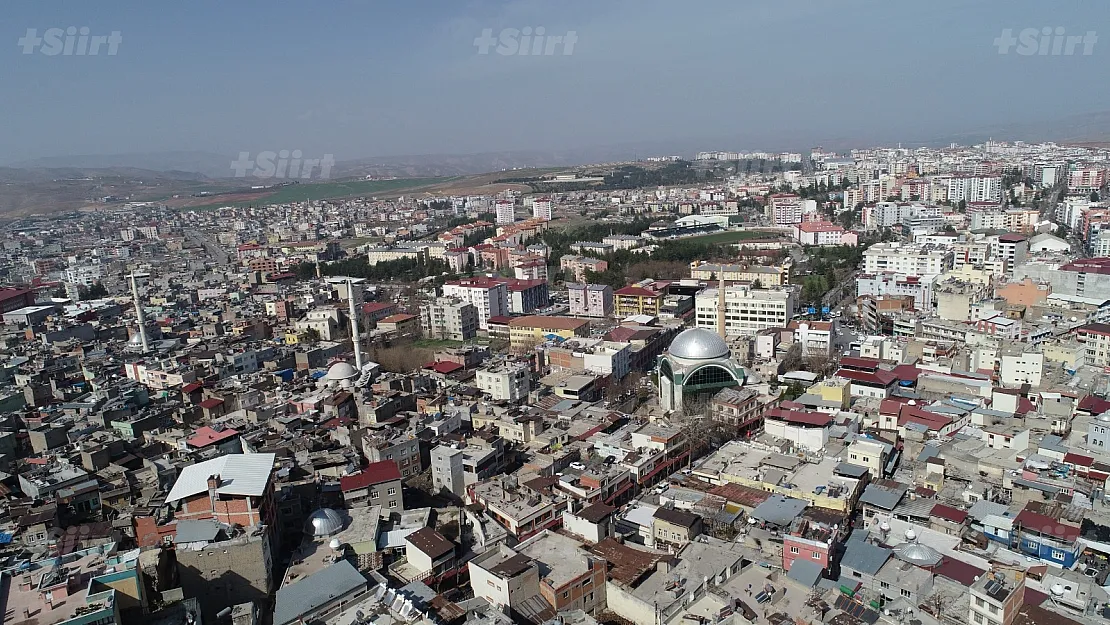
[1094, 196]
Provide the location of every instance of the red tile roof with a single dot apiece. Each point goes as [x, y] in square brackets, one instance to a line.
[1078, 460]
[374, 473]
[958, 571]
[638, 291]
[949, 513]
[211, 403]
[399, 317]
[797, 416]
[206, 436]
[859, 363]
[1094, 405]
[443, 367]
[191, 387]
[1038, 522]
[879, 377]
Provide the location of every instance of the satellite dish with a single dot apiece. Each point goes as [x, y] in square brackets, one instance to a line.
[911, 535]
[1057, 590]
[884, 526]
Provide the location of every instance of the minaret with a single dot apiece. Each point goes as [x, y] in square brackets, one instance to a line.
[355, 339]
[139, 312]
[721, 305]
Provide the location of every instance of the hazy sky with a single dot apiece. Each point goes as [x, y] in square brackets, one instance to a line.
[389, 77]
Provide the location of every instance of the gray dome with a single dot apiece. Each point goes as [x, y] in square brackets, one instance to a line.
[324, 522]
[341, 371]
[698, 344]
[916, 553]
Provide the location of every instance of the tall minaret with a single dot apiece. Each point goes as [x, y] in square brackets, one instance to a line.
[139, 312]
[355, 339]
[721, 305]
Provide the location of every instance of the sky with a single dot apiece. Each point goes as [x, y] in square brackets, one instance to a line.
[358, 79]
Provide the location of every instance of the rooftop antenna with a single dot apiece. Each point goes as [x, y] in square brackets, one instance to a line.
[354, 323]
[139, 309]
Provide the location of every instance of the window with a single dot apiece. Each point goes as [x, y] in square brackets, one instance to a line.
[793, 550]
[392, 503]
[979, 602]
[587, 581]
[1058, 555]
[816, 555]
[884, 585]
[374, 494]
[391, 491]
[906, 593]
[978, 618]
[566, 593]
[389, 456]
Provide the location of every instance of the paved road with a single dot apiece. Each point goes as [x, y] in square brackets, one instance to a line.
[214, 250]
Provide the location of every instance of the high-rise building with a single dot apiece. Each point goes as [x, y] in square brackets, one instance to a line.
[449, 318]
[447, 470]
[505, 212]
[541, 208]
[747, 310]
[489, 295]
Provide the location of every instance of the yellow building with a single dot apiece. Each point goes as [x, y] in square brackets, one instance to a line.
[767, 276]
[638, 300]
[834, 390]
[525, 332]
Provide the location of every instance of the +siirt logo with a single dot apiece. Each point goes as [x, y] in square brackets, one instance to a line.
[285, 167]
[525, 42]
[70, 41]
[1045, 42]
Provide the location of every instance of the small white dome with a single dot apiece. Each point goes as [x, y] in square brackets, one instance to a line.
[698, 344]
[341, 371]
[335, 544]
[324, 522]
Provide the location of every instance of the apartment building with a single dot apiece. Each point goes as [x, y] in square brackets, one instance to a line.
[974, 189]
[448, 318]
[640, 299]
[1095, 338]
[590, 300]
[765, 276]
[379, 484]
[823, 233]
[489, 296]
[747, 310]
[542, 208]
[509, 382]
[505, 212]
[525, 332]
[579, 265]
[910, 259]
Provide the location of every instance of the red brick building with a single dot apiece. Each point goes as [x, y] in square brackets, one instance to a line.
[236, 489]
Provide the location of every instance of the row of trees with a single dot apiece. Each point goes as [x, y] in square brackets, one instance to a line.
[402, 269]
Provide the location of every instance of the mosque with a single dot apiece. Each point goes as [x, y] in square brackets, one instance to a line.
[696, 366]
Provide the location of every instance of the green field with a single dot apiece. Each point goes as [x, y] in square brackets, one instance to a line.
[732, 236]
[333, 190]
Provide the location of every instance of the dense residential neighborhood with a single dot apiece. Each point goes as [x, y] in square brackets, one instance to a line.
[844, 388]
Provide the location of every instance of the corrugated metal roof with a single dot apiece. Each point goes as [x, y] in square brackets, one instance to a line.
[240, 474]
[315, 591]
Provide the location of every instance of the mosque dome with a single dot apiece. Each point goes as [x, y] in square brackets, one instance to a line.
[698, 344]
[324, 522]
[341, 371]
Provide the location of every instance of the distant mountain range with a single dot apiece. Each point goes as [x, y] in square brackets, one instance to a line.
[61, 183]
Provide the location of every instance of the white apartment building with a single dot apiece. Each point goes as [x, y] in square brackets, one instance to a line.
[590, 300]
[974, 188]
[747, 310]
[489, 296]
[87, 273]
[506, 382]
[914, 260]
[448, 318]
[505, 211]
[918, 287]
[1024, 368]
[786, 209]
[542, 208]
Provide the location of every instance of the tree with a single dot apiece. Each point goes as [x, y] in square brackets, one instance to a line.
[794, 391]
[1094, 196]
